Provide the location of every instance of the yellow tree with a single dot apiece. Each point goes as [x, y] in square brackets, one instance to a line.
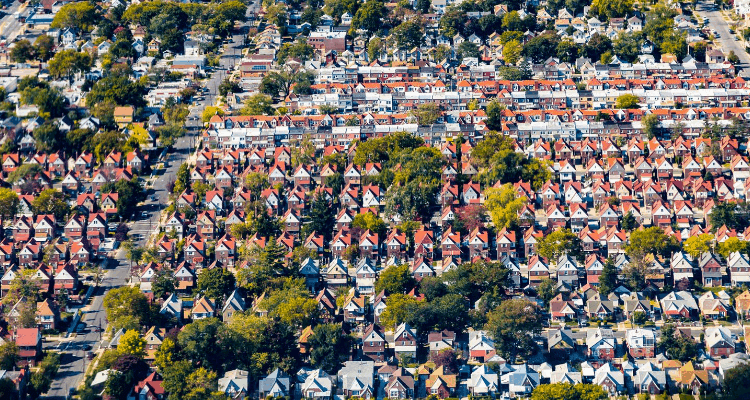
[503, 205]
[731, 245]
[697, 245]
[131, 343]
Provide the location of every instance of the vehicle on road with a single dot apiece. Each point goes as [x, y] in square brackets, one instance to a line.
[144, 214]
[153, 198]
[87, 347]
[90, 355]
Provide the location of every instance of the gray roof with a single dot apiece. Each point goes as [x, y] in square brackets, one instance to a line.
[277, 377]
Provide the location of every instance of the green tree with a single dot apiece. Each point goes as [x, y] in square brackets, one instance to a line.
[321, 217]
[257, 104]
[401, 308]
[512, 324]
[735, 383]
[206, 342]
[117, 89]
[558, 243]
[650, 124]
[370, 17]
[608, 278]
[10, 355]
[22, 51]
[215, 283]
[131, 343]
[408, 35]
[43, 47]
[337, 8]
[79, 15]
[541, 47]
[329, 347]
[547, 290]
[129, 194]
[163, 282]
[395, 280]
[467, 49]
[651, 240]
[677, 346]
[50, 101]
[51, 201]
[626, 101]
[627, 46]
[427, 113]
[374, 47]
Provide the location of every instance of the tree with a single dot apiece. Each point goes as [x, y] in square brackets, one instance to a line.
[126, 307]
[51, 201]
[176, 377]
[329, 347]
[322, 217]
[258, 104]
[733, 215]
[9, 356]
[22, 51]
[627, 46]
[467, 49]
[7, 389]
[117, 89]
[677, 346]
[403, 310]
[735, 383]
[9, 203]
[448, 359]
[511, 325]
[427, 113]
[547, 290]
[567, 50]
[395, 280]
[209, 112]
[129, 194]
[43, 46]
[370, 17]
[697, 245]
[215, 283]
[206, 343]
[626, 101]
[568, 391]
[733, 58]
[608, 278]
[541, 47]
[650, 124]
[50, 101]
[597, 45]
[336, 8]
[639, 318]
[503, 206]
[374, 48]
[730, 245]
[558, 243]
[131, 343]
[163, 282]
[512, 52]
[408, 35]
[79, 15]
[369, 221]
[612, 9]
[651, 240]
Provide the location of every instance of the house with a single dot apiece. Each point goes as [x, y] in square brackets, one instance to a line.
[149, 389]
[234, 384]
[610, 379]
[29, 342]
[679, 305]
[483, 382]
[521, 381]
[719, 342]
[276, 384]
[441, 384]
[374, 343]
[316, 384]
[233, 304]
[357, 379]
[601, 343]
[641, 343]
[481, 347]
[405, 341]
[124, 115]
[203, 308]
[400, 385]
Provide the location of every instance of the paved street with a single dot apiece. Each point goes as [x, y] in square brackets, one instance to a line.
[726, 40]
[10, 27]
[73, 353]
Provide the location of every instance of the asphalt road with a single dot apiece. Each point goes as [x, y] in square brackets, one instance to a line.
[74, 360]
[9, 26]
[726, 40]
